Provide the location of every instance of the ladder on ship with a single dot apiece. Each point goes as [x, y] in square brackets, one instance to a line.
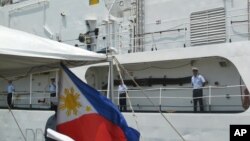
[139, 30]
[248, 15]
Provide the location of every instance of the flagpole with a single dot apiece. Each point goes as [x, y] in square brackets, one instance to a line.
[111, 79]
[111, 75]
[109, 11]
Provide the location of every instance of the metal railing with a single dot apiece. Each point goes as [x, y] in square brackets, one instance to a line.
[180, 99]
[22, 99]
[215, 99]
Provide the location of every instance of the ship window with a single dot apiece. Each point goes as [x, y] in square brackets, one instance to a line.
[93, 2]
[208, 27]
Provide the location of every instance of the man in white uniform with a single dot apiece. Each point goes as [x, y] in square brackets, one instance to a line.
[52, 87]
[10, 90]
[122, 89]
[198, 82]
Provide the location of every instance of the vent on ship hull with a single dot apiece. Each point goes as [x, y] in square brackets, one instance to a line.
[208, 27]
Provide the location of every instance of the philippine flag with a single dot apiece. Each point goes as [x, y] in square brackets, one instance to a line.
[85, 115]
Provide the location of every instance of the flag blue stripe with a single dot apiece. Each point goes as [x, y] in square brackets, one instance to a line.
[103, 106]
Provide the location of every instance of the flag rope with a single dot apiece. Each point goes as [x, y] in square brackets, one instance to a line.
[17, 123]
[166, 119]
[127, 97]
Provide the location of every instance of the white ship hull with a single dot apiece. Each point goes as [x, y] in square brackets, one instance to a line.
[153, 127]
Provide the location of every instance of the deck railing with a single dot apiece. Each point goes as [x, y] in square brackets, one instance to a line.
[215, 99]
[23, 99]
[179, 99]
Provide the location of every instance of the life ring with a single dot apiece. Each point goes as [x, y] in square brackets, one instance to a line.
[246, 99]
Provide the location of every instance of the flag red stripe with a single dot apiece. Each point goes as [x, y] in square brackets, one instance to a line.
[91, 127]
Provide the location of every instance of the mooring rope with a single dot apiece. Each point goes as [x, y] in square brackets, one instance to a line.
[121, 66]
[17, 123]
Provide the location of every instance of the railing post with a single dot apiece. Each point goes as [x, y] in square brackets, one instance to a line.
[185, 36]
[160, 98]
[30, 91]
[57, 78]
[229, 28]
[118, 99]
[209, 98]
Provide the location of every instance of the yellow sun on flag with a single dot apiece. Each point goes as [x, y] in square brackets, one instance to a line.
[70, 101]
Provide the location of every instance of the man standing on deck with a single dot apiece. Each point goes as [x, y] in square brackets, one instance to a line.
[122, 90]
[10, 90]
[198, 82]
[52, 87]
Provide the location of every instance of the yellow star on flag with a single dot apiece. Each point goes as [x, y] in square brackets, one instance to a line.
[88, 109]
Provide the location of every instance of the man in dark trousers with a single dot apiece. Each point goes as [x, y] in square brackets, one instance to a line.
[52, 87]
[198, 82]
[122, 90]
[10, 90]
